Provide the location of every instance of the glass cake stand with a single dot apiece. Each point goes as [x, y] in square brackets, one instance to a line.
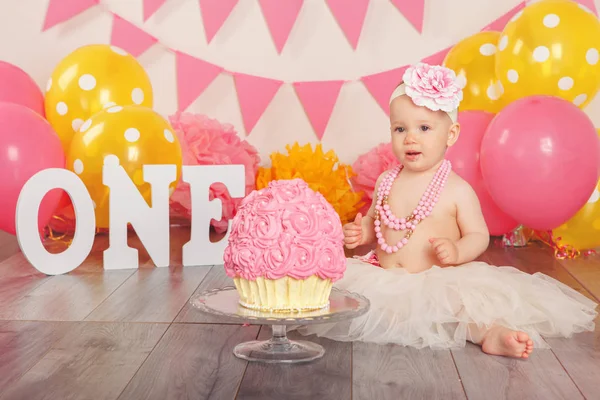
[224, 302]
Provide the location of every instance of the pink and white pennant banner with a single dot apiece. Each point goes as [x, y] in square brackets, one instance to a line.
[350, 17]
[437, 58]
[413, 11]
[193, 77]
[130, 38]
[214, 14]
[152, 6]
[499, 24]
[63, 10]
[280, 16]
[382, 84]
[254, 95]
[318, 100]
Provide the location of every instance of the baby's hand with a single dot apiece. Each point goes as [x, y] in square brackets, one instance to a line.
[445, 250]
[353, 232]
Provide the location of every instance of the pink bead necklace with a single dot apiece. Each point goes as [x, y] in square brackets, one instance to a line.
[384, 215]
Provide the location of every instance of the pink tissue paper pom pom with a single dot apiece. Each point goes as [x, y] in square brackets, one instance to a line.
[206, 141]
[368, 167]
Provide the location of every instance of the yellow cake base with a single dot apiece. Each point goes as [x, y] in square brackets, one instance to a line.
[285, 294]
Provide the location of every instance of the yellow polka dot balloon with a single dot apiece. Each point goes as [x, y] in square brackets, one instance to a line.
[550, 47]
[133, 136]
[89, 79]
[582, 231]
[473, 60]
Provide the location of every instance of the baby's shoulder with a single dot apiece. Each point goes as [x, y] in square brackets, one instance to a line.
[459, 188]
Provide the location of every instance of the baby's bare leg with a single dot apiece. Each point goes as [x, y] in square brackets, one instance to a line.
[501, 341]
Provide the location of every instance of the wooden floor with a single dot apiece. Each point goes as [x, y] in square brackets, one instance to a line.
[131, 334]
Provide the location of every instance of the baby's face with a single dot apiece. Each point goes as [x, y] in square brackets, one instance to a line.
[420, 136]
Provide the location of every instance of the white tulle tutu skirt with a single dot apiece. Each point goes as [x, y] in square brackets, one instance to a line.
[439, 308]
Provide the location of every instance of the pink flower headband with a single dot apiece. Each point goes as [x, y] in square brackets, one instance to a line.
[431, 86]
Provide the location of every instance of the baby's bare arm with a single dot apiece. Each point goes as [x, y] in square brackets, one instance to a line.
[475, 236]
[369, 219]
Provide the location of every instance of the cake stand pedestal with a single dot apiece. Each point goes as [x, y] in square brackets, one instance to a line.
[224, 302]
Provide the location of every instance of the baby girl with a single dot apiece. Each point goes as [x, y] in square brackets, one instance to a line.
[425, 288]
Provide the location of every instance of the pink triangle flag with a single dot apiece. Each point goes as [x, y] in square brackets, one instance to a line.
[129, 37]
[214, 14]
[318, 100]
[280, 16]
[254, 94]
[437, 58]
[413, 11]
[63, 10]
[193, 77]
[589, 4]
[350, 17]
[382, 84]
[151, 6]
[499, 24]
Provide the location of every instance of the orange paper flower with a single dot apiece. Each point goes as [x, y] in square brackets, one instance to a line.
[321, 171]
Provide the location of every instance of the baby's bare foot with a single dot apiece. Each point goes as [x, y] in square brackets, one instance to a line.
[501, 341]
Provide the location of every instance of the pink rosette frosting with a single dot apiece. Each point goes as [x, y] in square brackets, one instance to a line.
[432, 86]
[285, 229]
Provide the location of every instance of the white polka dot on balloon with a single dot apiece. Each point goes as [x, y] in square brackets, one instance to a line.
[461, 81]
[503, 43]
[61, 108]
[119, 51]
[551, 21]
[76, 124]
[512, 76]
[78, 166]
[49, 85]
[591, 56]
[109, 104]
[114, 109]
[111, 160]
[580, 99]
[492, 92]
[87, 82]
[594, 197]
[86, 125]
[137, 95]
[565, 83]
[132, 135]
[541, 53]
[487, 49]
[169, 136]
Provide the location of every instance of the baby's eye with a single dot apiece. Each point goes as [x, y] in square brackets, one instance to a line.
[424, 128]
[399, 129]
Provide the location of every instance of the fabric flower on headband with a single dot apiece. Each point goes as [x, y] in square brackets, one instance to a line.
[432, 86]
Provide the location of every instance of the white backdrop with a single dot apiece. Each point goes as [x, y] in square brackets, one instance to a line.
[317, 49]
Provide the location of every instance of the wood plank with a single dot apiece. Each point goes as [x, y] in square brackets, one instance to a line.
[396, 372]
[151, 295]
[580, 356]
[23, 344]
[327, 378]
[215, 279]
[587, 272]
[492, 377]
[92, 361]
[192, 362]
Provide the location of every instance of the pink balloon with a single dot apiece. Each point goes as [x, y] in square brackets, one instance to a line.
[464, 156]
[539, 159]
[28, 144]
[18, 87]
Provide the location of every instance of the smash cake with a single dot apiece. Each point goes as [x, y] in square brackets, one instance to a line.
[285, 249]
